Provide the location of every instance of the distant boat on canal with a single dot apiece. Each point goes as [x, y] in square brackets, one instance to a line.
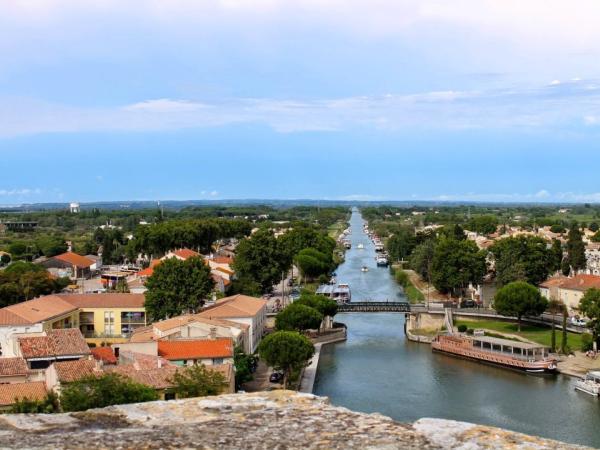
[590, 384]
[364, 269]
[360, 246]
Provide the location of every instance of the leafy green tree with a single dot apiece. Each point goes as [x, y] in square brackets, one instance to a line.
[575, 249]
[594, 227]
[287, 351]
[312, 263]
[48, 405]
[556, 256]
[589, 306]
[261, 259]
[455, 264]
[519, 299]
[177, 286]
[483, 224]
[422, 257]
[243, 366]
[99, 392]
[564, 346]
[557, 228]
[326, 306]
[522, 258]
[198, 381]
[554, 307]
[51, 245]
[303, 236]
[4, 259]
[298, 317]
[401, 244]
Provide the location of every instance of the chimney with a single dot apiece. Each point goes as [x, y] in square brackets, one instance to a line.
[213, 333]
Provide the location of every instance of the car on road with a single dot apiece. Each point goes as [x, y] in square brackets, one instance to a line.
[578, 322]
[276, 377]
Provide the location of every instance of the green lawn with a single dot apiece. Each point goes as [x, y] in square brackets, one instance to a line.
[539, 334]
[413, 294]
[336, 229]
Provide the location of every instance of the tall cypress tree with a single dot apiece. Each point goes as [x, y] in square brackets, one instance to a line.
[575, 249]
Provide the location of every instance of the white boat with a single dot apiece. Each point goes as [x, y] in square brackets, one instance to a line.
[360, 246]
[364, 269]
[590, 384]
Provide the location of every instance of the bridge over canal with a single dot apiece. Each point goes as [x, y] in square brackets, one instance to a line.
[375, 307]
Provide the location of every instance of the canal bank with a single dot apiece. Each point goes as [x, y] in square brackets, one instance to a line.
[379, 370]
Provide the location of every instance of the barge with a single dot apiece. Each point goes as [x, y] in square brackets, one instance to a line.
[532, 358]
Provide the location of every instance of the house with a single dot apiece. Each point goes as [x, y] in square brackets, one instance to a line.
[13, 370]
[244, 310]
[193, 326]
[61, 373]
[11, 393]
[182, 254]
[197, 351]
[42, 349]
[70, 265]
[100, 317]
[569, 290]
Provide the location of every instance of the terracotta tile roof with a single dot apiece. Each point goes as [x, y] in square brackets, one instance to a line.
[10, 393]
[11, 367]
[69, 371]
[75, 259]
[104, 300]
[56, 343]
[222, 259]
[554, 281]
[186, 253]
[142, 334]
[225, 270]
[104, 354]
[225, 369]
[168, 324]
[148, 271]
[156, 377]
[235, 306]
[196, 349]
[582, 282]
[36, 310]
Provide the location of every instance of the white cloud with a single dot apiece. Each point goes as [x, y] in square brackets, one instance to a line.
[19, 192]
[570, 104]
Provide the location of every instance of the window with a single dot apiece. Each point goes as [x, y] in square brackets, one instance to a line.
[217, 360]
[169, 395]
[109, 323]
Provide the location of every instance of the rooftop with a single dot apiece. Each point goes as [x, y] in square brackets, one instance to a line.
[10, 393]
[56, 343]
[36, 310]
[104, 300]
[235, 306]
[196, 349]
[11, 367]
[69, 371]
[104, 354]
[75, 259]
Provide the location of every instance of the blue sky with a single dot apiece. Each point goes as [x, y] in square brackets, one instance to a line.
[342, 99]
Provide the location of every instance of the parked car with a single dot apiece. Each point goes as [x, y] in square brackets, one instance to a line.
[468, 304]
[276, 377]
[577, 321]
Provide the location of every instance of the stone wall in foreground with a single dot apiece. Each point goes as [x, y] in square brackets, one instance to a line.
[270, 420]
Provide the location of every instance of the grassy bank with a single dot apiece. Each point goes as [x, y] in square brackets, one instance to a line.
[412, 293]
[535, 333]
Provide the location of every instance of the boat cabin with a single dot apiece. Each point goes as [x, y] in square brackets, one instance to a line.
[339, 293]
[517, 349]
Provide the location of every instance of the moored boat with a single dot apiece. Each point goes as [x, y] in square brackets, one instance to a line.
[364, 269]
[590, 384]
[517, 355]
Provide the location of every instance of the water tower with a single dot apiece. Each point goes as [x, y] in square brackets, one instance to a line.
[74, 208]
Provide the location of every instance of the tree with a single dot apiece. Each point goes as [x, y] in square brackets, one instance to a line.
[575, 249]
[421, 258]
[177, 286]
[554, 307]
[483, 224]
[51, 245]
[303, 236]
[564, 346]
[48, 405]
[312, 263]
[198, 381]
[326, 306]
[260, 259]
[456, 264]
[589, 306]
[244, 364]
[99, 392]
[556, 256]
[287, 351]
[557, 228]
[401, 244]
[519, 299]
[522, 258]
[594, 227]
[4, 259]
[299, 318]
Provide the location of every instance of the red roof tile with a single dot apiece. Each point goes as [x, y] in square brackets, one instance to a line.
[156, 377]
[69, 371]
[74, 259]
[104, 354]
[104, 300]
[36, 310]
[196, 349]
[11, 367]
[66, 342]
[582, 282]
[10, 393]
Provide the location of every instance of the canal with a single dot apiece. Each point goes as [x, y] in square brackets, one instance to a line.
[378, 370]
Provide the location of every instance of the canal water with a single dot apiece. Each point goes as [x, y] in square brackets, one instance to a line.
[378, 370]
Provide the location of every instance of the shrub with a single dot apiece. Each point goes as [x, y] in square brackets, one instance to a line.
[470, 331]
[462, 328]
[402, 278]
[587, 342]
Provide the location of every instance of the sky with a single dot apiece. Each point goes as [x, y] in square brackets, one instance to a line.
[470, 100]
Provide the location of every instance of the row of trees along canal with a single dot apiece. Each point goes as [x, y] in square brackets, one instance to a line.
[446, 259]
